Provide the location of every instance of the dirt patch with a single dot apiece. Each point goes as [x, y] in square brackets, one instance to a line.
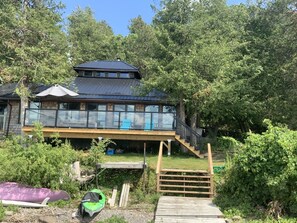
[66, 215]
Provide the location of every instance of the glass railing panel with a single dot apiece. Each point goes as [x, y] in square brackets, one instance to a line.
[75, 119]
[47, 117]
[97, 119]
[101, 119]
[32, 116]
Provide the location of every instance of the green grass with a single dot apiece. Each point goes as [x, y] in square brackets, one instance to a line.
[174, 161]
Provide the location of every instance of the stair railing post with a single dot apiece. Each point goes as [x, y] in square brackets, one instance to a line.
[210, 170]
[159, 165]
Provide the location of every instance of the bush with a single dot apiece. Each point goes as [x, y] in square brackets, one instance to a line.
[32, 162]
[263, 174]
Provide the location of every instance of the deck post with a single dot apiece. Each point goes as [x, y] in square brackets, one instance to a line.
[169, 147]
[159, 165]
[210, 169]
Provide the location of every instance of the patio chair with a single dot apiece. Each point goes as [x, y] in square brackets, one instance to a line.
[126, 124]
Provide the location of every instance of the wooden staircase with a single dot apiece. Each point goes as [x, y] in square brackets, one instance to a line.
[188, 146]
[185, 182]
[177, 181]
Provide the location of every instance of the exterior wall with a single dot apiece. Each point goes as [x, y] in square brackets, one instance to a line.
[83, 106]
[49, 105]
[109, 107]
[139, 107]
[14, 123]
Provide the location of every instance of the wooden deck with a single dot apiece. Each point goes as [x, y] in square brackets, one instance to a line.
[82, 133]
[173, 209]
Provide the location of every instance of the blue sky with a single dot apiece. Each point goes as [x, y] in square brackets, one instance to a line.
[118, 13]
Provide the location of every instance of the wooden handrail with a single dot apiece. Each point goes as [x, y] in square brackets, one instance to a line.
[210, 163]
[210, 170]
[159, 163]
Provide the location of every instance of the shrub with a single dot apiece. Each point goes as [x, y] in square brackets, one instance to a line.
[31, 161]
[263, 173]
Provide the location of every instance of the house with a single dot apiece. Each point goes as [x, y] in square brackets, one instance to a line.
[107, 105]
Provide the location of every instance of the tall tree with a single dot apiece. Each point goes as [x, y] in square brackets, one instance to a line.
[196, 48]
[272, 37]
[90, 40]
[33, 46]
[139, 44]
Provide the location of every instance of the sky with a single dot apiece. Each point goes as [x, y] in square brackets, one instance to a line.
[118, 13]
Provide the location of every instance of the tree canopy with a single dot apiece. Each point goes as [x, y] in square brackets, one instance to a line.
[227, 67]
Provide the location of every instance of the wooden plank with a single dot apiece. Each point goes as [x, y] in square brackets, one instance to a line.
[189, 207]
[183, 176]
[182, 219]
[184, 171]
[184, 186]
[112, 200]
[183, 181]
[106, 133]
[184, 192]
[122, 165]
[124, 195]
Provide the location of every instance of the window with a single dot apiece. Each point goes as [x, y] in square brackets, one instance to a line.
[96, 107]
[88, 73]
[152, 108]
[34, 105]
[130, 107]
[100, 74]
[81, 73]
[124, 75]
[112, 75]
[169, 108]
[69, 106]
[119, 108]
[2, 117]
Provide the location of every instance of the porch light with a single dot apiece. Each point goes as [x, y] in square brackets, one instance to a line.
[100, 138]
[30, 136]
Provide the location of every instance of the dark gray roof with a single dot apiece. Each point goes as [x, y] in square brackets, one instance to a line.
[113, 89]
[96, 89]
[107, 66]
[7, 91]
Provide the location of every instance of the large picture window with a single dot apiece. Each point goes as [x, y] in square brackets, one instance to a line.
[69, 106]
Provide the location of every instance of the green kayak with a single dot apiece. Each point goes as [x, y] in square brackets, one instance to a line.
[93, 202]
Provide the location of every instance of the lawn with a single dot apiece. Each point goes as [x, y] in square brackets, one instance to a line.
[176, 162]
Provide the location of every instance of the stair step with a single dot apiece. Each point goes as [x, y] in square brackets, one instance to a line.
[184, 181]
[185, 186]
[184, 192]
[183, 176]
[184, 171]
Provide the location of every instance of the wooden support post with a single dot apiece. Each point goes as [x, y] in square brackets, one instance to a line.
[169, 147]
[210, 170]
[159, 165]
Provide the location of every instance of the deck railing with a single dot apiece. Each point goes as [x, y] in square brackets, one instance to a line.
[188, 134]
[101, 119]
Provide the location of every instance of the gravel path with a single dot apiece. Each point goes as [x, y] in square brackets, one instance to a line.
[65, 215]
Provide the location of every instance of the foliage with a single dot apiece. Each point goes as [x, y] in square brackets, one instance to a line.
[226, 143]
[263, 174]
[97, 152]
[114, 219]
[37, 164]
[2, 211]
[89, 40]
